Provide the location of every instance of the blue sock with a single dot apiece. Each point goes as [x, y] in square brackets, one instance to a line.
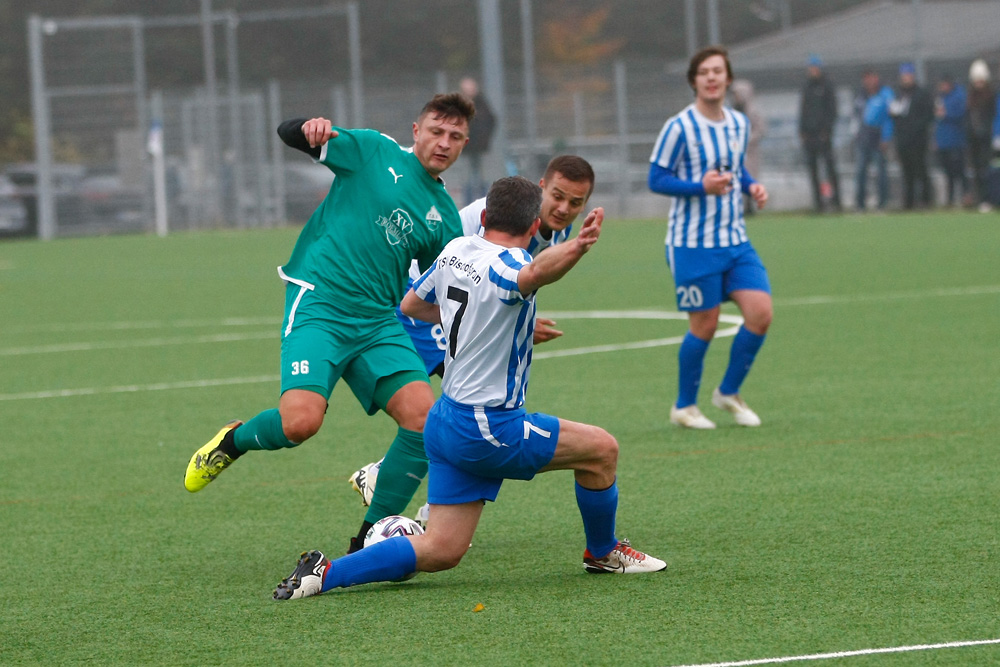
[741, 356]
[691, 362]
[598, 509]
[386, 561]
[262, 432]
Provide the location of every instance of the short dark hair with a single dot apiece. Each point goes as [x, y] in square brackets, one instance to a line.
[452, 106]
[703, 55]
[512, 205]
[572, 168]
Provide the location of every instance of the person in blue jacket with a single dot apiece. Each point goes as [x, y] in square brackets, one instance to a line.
[949, 137]
[874, 135]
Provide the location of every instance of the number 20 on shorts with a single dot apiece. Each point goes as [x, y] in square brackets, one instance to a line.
[690, 296]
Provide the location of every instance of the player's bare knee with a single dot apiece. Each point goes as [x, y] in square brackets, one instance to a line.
[442, 555]
[607, 452]
[412, 420]
[299, 426]
[760, 322]
[411, 413]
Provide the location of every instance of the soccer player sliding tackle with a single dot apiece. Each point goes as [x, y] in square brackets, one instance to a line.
[482, 290]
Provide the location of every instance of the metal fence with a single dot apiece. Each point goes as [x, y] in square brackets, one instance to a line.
[115, 155]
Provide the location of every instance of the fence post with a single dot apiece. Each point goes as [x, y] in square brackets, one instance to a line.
[156, 149]
[277, 158]
[46, 212]
[621, 104]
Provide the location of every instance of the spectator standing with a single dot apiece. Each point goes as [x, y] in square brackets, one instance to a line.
[480, 136]
[817, 118]
[982, 107]
[874, 134]
[949, 136]
[912, 112]
[742, 94]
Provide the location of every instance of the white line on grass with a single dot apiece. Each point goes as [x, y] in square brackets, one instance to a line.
[638, 314]
[890, 296]
[147, 324]
[90, 391]
[59, 348]
[847, 654]
[133, 388]
[122, 344]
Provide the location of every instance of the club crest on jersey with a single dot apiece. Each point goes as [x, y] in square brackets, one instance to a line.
[734, 145]
[433, 217]
[397, 227]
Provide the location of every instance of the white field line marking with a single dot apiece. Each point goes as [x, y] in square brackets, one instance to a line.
[847, 654]
[629, 315]
[235, 337]
[597, 314]
[890, 296]
[149, 324]
[271, 321]
[133, 388]
[122, 344]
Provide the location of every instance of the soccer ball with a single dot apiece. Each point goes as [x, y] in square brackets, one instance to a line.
[393, 526]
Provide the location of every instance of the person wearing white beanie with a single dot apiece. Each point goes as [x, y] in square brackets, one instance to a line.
[982, 109]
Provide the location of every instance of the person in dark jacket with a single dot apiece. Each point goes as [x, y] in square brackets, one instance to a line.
[982, 107]
[480, 136]
[912, 112]
[817, 117]
[949, 136]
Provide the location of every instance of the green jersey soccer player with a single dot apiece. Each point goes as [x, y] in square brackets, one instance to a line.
[348, 272]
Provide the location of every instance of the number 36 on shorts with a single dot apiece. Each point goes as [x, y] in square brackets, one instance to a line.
[300, 367]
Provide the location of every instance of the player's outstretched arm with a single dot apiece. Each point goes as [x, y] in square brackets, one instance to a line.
[307, 135]
[556, 261]
[415, 307]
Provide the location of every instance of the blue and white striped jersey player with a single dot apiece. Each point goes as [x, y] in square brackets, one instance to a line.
[566, 185]
[698, 160]
[482, 291]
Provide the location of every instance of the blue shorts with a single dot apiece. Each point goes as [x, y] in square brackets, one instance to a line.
[472, 450]
[705, 277]
[429, 339]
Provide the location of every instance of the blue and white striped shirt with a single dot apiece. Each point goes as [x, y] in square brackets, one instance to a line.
[690, 145]
[489, 324]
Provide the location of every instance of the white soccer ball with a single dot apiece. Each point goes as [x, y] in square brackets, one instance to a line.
[392, 526]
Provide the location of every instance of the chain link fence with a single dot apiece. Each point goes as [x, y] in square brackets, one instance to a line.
[117, 155]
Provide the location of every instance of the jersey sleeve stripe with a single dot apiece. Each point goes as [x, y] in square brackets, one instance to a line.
[507, 257]
[502, 282]
[419, 288]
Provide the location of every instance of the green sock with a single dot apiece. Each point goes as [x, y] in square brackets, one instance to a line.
[262, 432]
[404, 467]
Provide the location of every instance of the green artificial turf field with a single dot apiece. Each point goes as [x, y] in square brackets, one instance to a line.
[863, 514]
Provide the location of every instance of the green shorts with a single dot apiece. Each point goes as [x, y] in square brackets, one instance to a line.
[375, 357]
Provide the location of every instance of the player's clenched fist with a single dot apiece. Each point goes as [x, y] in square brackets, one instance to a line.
[317, 131]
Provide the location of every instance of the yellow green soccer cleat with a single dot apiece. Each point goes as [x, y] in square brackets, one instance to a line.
[209, 461]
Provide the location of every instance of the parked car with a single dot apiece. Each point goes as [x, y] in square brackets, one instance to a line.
[104, 199]
[13, 214]
[66, 180]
